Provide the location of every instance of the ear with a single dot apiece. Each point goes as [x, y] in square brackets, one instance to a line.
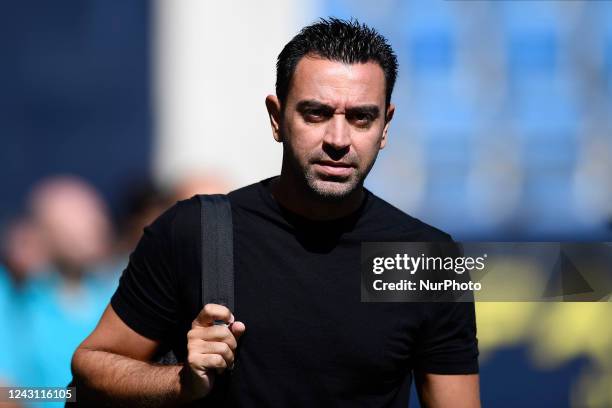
[274, 112]
[388, 117]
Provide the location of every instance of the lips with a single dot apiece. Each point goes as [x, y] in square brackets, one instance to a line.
[334, 169]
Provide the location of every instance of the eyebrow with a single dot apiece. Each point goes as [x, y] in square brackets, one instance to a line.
[371, 110]
[313, 104]
[305, 105]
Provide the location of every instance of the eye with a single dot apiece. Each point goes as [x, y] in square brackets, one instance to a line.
[315, 115]
[361, 119]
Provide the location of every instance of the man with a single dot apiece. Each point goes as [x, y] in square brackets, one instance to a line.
[299, 335]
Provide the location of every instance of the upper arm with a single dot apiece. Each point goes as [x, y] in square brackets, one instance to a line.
[446, 371]
[114, 336]
[437, 390]
[447, 342]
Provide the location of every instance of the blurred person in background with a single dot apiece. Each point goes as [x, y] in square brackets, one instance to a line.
[142, 202]
[24, 254]
[23, 250]
[74, 225]
[209, 183]
[8, 362]
[62, 303]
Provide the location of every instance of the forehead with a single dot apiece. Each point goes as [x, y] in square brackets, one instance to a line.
[337, 83]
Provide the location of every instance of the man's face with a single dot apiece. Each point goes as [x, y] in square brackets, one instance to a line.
[334, 123]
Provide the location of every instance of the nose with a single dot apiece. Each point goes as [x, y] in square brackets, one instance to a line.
[337, 134]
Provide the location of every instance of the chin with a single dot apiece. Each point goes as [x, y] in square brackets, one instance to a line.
[333, 190]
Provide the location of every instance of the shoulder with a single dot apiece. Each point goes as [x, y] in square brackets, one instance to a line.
[176, 224]
[392, 218]
[246, 196]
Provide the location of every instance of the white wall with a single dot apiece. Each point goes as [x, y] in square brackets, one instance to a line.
[214, 64]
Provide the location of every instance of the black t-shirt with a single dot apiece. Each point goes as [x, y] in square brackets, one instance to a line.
[309, 339]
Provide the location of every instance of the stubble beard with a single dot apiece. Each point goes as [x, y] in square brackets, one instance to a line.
[328, 188]
[331, 188]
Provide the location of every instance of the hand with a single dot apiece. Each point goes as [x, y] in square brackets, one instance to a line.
[211, 347]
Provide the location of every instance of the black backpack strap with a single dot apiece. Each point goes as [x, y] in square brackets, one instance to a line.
[217, 255]
[217, 250]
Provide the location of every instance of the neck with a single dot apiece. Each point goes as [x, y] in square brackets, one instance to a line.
[297, 197]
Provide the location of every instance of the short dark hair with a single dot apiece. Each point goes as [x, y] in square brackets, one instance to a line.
[345, 41]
